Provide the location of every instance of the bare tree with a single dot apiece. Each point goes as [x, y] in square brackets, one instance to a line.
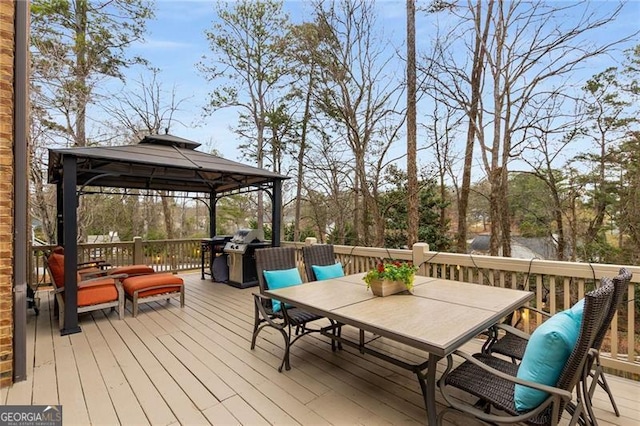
[454, 83]
[247, 45]
[527, 47]
[305, 41]
[358, 94]
[608, 125]
[328, 189]
[75, 46]
[546, 159]
[43, 200]
[146, 111]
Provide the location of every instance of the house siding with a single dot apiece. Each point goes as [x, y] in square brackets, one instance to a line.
[7, 161]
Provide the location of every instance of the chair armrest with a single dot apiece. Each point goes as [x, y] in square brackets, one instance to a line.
[566, 395]
[98, 263]
[258, 298]
[117, 277]
[96, 282]
[91, 274]
[537, 311]
[512, 330]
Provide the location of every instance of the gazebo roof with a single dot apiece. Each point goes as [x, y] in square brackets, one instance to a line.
[160, 162]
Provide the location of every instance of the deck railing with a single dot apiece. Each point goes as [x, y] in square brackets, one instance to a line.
[557, 285]
[163, 255]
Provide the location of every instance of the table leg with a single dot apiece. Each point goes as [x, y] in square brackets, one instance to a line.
[428, 386]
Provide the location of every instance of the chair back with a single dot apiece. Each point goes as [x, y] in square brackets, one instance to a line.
[620, 287]
[273, 259]
[319, 255]
[596, 308]
[54, 263]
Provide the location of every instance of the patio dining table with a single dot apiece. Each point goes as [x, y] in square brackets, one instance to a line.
[439, 317]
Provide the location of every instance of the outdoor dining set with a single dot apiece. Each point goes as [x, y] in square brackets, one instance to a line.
[515, 378]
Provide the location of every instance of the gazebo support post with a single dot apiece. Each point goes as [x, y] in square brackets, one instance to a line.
[60, 214]
[213, 201]
[276, 212]
[70, 235]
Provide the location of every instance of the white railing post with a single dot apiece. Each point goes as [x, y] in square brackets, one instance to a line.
[309, 241]
[420, 251]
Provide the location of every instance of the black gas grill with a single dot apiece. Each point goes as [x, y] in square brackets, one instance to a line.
[212, 254]
[241, 258]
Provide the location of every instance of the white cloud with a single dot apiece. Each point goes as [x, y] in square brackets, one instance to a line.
[157, 44]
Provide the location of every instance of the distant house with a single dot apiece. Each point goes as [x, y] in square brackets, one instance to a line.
[111, 237]
[100, 252]
[521, 247]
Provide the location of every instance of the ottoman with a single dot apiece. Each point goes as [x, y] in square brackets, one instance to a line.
[152, 287]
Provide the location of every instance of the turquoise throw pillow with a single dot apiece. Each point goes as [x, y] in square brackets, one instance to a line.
[328, 272]
[281, 279]
[577, 310]
[544, 358]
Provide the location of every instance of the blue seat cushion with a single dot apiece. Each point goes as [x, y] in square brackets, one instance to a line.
[280, 279]
[327, 272]
[544, 358]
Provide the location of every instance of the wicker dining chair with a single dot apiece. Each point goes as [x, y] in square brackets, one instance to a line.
[318, 255]
[290, 321]
[493, 380]
[514, 342]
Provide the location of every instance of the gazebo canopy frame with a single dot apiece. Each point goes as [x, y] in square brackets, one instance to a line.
[157, 162]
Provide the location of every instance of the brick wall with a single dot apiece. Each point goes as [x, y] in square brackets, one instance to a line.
[7, 13]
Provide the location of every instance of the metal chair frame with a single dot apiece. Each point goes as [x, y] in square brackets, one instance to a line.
[288, 318]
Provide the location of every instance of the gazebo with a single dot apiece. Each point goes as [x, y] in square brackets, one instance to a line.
[157, 162]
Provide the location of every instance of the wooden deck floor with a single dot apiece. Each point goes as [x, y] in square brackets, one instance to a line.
[194, 366]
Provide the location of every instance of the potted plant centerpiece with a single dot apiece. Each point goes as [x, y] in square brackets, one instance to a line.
[389, 277]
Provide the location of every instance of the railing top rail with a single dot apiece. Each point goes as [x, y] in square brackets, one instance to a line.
[533, 266]
[363, 251]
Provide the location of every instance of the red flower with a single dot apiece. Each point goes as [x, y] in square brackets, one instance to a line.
[380, 267]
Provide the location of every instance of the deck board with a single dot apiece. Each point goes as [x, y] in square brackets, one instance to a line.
[179, 402]
[99, 409]
[122, 396]
[151, 401]
[22, 391]
[194, 365]
[45, 384]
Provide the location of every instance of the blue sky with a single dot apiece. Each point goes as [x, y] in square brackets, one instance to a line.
[176, 42]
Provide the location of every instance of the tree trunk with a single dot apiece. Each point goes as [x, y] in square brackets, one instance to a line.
[168, 214]
[260, 164]
[560, 241]
[476, 88]
[301, 153]
[412, 169]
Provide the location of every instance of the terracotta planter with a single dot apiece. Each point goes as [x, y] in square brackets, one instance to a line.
[386, 287]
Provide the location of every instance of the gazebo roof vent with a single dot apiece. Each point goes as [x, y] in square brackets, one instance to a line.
[169, 140]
